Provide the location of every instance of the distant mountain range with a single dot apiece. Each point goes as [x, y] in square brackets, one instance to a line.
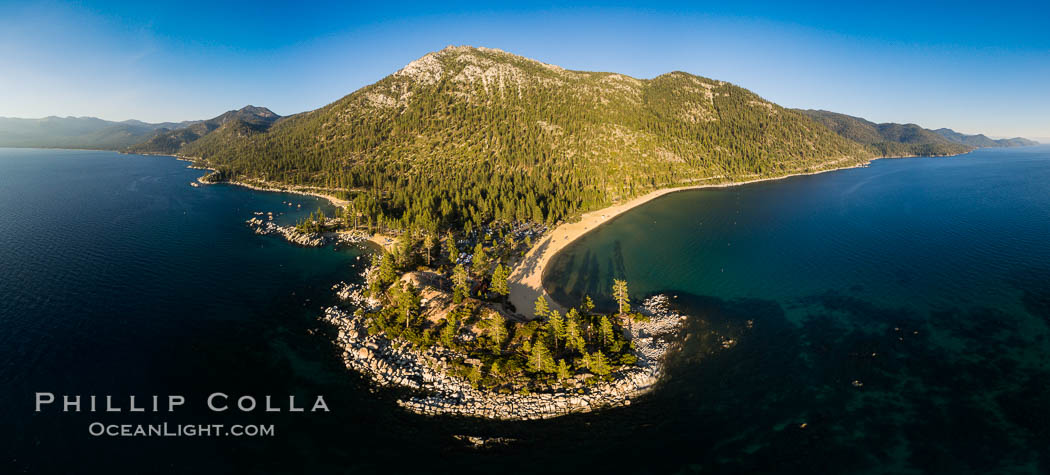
[129, 135]
[980, 140]
[170, 140]
[899, 140]
[76, 132]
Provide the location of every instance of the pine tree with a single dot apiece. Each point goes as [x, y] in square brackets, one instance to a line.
[598, 364]
[480, 261]
[587, 305]
[573, 335]
[408, 302]
[428, 242]
[499, 281]
[475, 375]
[606, 331]
[540, 359]
[448, 332]
[557, 326]
[563, 370]
[620, 294]
[541, 308]
[460, 287]
[450, 246]
[403, 249]
[387, 274]
[497, 330]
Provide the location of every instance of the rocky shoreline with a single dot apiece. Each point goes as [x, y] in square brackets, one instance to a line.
[294, 236]
[436, 392]
[277, 188]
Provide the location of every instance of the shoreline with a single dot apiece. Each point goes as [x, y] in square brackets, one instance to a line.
[526, 280]
[433, 389]
[337, 202]
[384, 242]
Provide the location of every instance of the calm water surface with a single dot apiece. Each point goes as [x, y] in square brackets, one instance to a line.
[900, 311]
[924, 280]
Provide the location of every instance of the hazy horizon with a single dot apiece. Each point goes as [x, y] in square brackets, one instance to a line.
[973, 71]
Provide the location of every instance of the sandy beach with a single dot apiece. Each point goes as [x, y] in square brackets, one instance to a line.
[526, 280]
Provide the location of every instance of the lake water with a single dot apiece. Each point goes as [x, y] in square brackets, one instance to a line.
[925, 280]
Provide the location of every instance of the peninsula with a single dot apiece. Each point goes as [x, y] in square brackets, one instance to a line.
[472, 167]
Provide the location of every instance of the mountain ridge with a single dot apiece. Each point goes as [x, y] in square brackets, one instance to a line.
[474, 134]
[895, 140]
[170, 140]
[981, 140]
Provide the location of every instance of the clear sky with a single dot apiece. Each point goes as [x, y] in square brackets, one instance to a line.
[969, 67]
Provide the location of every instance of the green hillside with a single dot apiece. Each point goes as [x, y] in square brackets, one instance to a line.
[471, 135]
[170, 141]
[889, 140]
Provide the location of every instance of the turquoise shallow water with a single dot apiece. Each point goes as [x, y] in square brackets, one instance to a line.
[923, 279]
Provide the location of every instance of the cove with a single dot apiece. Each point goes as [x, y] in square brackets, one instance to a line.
[900, 311]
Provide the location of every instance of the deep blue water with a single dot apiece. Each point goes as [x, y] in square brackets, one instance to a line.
[925, 279]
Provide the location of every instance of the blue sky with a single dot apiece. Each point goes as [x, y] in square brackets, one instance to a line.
[969, 67]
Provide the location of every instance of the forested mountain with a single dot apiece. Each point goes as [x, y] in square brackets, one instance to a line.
[889, 140]
[894, 140]
[249, 119]
[980, 140]
[468, 135]
[75, 132]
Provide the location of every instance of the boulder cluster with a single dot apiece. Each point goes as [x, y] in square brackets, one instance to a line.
[289, 233]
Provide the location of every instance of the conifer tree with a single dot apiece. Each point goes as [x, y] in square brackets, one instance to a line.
[598, 364]
[450, 246]
[563, 370]
[387, 274]
[541, 308]
[587, 305]
[475, 375]
[606, 331]
[497, 330]
[573, 334]
[620, 294]
[448, 332]
[428, 242]
[499, 281]
[557, 326]
[480, 262]
[408, 302]
[540, 359]
[460, 287]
